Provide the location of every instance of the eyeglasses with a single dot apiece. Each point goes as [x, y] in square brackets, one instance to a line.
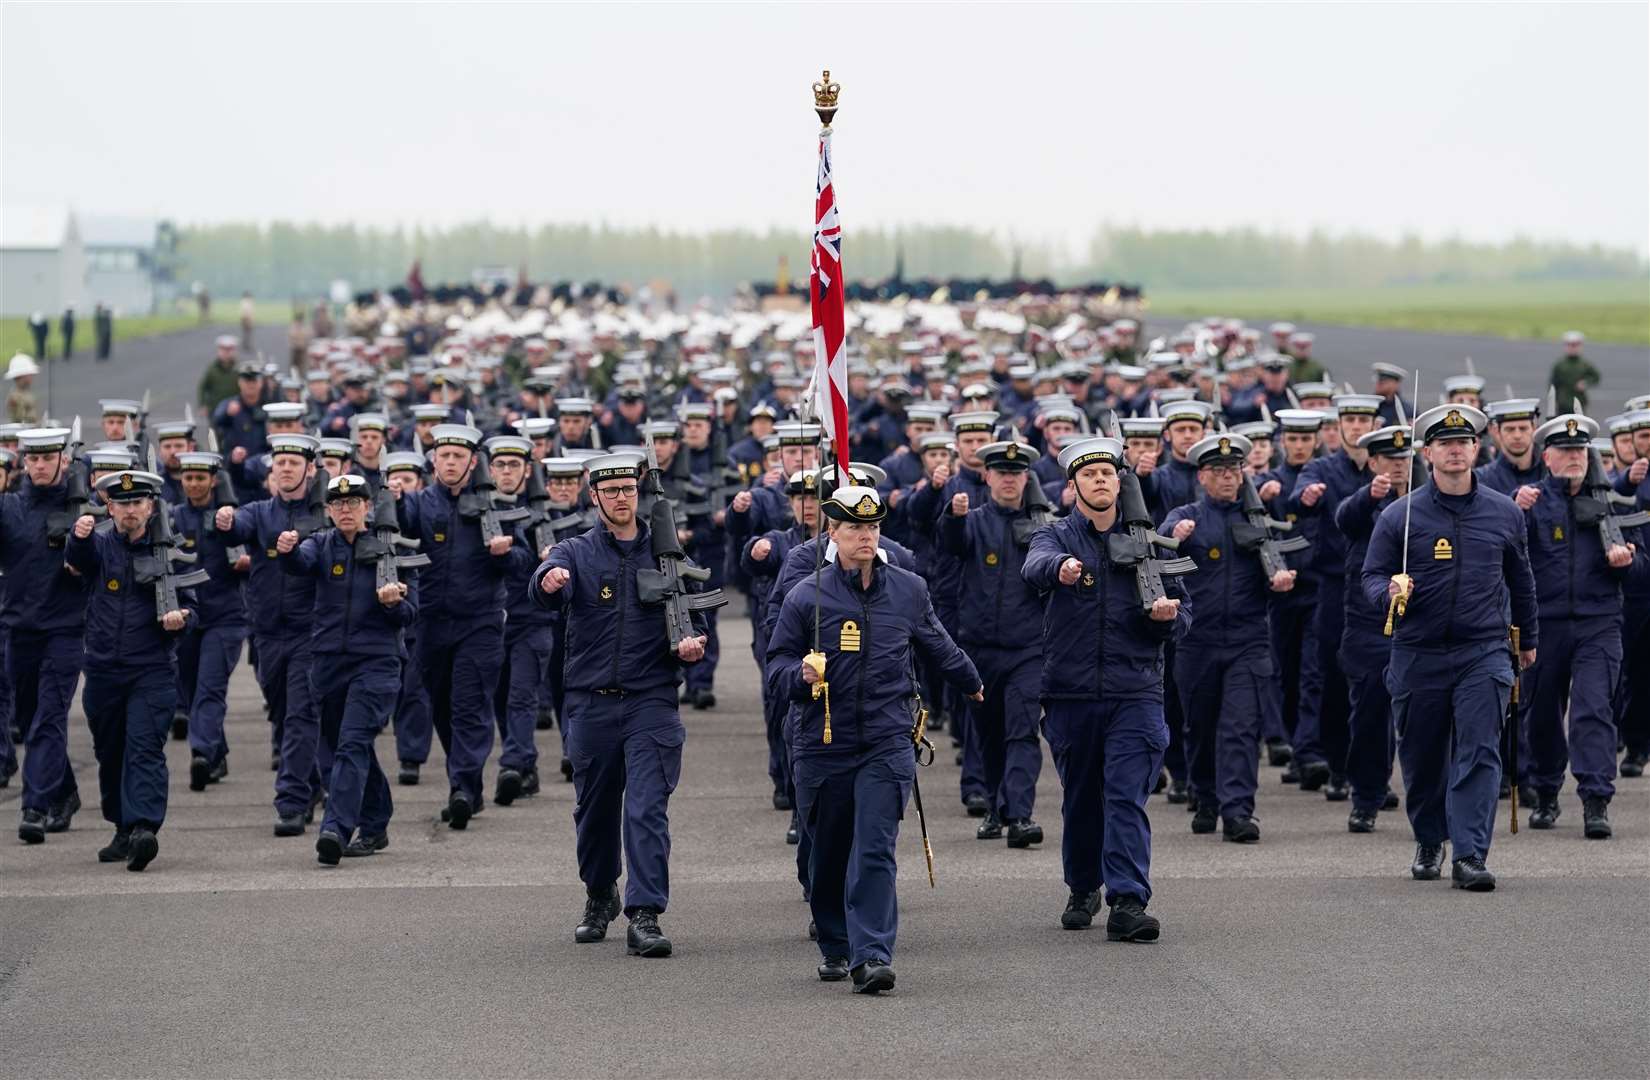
[626, 492]
[1224, 471]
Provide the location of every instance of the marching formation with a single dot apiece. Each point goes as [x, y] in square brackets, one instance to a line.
[1180, 563]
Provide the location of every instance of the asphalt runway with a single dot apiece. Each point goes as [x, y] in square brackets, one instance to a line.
[1310, 954]
[1523, 366]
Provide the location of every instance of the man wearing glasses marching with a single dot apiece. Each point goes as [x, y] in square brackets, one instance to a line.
[624, 732]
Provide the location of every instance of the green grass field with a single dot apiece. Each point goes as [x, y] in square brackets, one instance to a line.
[1612, 310]
[15, 336]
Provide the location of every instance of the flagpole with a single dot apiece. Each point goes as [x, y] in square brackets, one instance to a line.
[825, 97]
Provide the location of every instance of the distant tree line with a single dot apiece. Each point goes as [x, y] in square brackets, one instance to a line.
[301, 260]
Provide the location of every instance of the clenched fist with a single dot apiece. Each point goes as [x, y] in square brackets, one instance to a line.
[1186, 527]
[760, 549]
[285, 542]
[1312, 493]
[1070, 571]
[554, 578]
[959, 503]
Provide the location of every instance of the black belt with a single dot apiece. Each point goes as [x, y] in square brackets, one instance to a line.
[614, 691]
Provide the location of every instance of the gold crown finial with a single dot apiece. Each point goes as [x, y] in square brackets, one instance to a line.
[825, 95]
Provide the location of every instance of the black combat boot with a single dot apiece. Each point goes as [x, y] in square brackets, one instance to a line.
[833, 969]
[329, 848]
[873, 977]
[990, 829]
[1128, 921]
[1545, 812]
[1024, 832]
[1360, 821]
[1080, 909]
[1278, 753]
[508, 788]
[644, 937]
[601, 906]
[1240, 830]
[1595, 818]
[143, 849]
[408, 775]
[1203, 821]
[116, 850]
[1429, 862]
[1470, 874]
[58, 817]
[1314, 774]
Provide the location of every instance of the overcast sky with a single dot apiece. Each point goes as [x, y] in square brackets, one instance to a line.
[1479, 120]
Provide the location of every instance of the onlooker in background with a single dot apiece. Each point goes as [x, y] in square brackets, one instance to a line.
[20, 406]
[247, 313]
[297, 339]
[220, 381]
[67, 328]
[1572, 375]
[39, 328]
[103, 325]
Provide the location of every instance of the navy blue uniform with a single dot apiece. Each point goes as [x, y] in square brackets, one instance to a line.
[763, 574]
[43, 616]
[1363, 658]
[1450, 674]
[244, 430]
[209, 652]
[1223, 667]
[131, 681]
[1502, 475]
[1580, 600]
[1341, 476]
[996, 610]
[851, 793]
[624, 733]
[281, 607]
[356, 642]
[1101, 688]
[461, 634]
[529, 631]
[1294, 625]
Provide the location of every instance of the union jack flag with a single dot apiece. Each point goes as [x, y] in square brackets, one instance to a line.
[825, 284]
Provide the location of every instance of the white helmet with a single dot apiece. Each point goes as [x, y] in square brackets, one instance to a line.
[22, 364]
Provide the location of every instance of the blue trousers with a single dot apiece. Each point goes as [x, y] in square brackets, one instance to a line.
[627, 759]
[804, 840]
[1373, 744]
[130, 713]
[461, 672]
[283, 674]
[1575, 671]
[413, 728]
[1296, 655]
[1109, 756]
[773, 722]
[1174, 758]
[8, 709]
[1005, 728]
[555, 679]
[520, 680]
[356, 695]
[44, 670]
[1448, 709]
[206, 660]
[1327, 741]
[851, 809]
[702, 676]
[1222, 694]
[1633, 687]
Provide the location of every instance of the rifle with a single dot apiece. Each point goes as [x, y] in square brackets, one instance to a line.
[1134, 547]
[223, 492]
[1512, 725]
[544, 527]
[1592, 508]
[379, 546]
[1254, 533]
[668, 584]
[477, 504]
[1039, 511]
[77, 496]
[156, 568]
[314, 517]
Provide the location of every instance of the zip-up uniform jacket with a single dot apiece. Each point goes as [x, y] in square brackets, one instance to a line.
[868, 636]
[348, 618]
[123, 629]
[1470, 561]
[614, 642]
[1097, 643]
